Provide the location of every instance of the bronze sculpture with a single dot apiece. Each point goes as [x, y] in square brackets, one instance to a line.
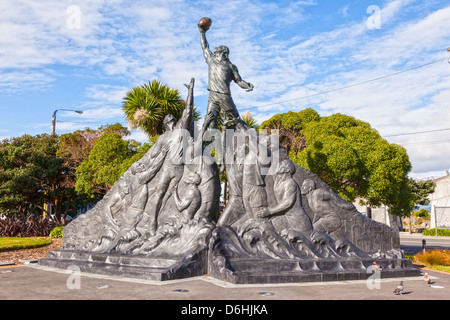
[221, 72]
[161, 219]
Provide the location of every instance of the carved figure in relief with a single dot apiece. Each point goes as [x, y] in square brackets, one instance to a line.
[325, 208]
[174, 140]
[288, 214]
[191, 200]
[132, 210]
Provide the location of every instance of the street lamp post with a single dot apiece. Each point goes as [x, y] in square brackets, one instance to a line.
[54, 117]
[47, 206]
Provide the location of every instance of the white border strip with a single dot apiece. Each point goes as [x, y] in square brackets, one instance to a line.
[221, 283]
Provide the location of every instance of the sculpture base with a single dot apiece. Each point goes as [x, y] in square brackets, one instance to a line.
[129, 266]
[263, 271]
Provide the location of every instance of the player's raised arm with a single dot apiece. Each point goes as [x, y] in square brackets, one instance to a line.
[203, 25]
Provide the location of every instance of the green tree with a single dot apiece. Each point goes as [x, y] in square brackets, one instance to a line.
[32, 174]
[421, 189]
[349, 155]
[146, 106]
[75, 147]
[249, 120]
[290, 126]
[109, 158]
[422, 213]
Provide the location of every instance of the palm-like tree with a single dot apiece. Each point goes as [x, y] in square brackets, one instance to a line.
[146, 106]
[249, 120]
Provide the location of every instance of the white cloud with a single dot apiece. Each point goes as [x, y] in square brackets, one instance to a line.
[138, 136]
[20, 80]
[105, 93]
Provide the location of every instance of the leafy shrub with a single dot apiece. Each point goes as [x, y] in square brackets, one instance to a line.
[422, 213]
[27, 226]
[435, 257]
[440, 232]
[57, 232]
[410, 257]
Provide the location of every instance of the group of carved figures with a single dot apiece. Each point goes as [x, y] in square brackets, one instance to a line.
[158, 197]
[267, 216]
[167, 201]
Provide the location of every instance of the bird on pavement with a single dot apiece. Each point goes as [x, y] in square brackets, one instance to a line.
[399, 288]
[427, 279]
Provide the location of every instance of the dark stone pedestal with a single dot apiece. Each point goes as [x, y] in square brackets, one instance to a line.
[234, 270]
[259, 271]
[130, 266]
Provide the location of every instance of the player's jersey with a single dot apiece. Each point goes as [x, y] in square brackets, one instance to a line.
[220, 74]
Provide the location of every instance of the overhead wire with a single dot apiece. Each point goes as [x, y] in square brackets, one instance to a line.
[349, 86]
[418, 143]
[365, 82]
[418, 132]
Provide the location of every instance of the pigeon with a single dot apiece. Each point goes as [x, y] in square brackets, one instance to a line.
[399, 288]
[427, 279]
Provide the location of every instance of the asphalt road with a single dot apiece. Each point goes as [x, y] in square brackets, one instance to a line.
[412, 243]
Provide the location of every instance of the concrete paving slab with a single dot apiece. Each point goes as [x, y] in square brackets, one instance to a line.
[205, 296]
[34, 282]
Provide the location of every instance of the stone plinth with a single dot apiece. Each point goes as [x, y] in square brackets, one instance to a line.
[129, 266]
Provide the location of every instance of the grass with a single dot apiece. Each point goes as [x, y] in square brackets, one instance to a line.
[440, 268]
[17, 243]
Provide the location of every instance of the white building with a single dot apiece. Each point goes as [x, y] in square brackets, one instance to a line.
[379, 214]
[440, 203]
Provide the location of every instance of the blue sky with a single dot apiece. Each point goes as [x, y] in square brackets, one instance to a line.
[86, 54]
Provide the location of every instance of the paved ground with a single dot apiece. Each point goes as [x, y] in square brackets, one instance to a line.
[33, 282]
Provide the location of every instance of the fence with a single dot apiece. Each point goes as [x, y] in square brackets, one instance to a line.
[440, 217]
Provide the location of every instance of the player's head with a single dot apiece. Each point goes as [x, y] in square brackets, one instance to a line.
[123, 186]
[286, 166]
[307, 186]
[169, 122]
[221, 52]
[192, 178]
